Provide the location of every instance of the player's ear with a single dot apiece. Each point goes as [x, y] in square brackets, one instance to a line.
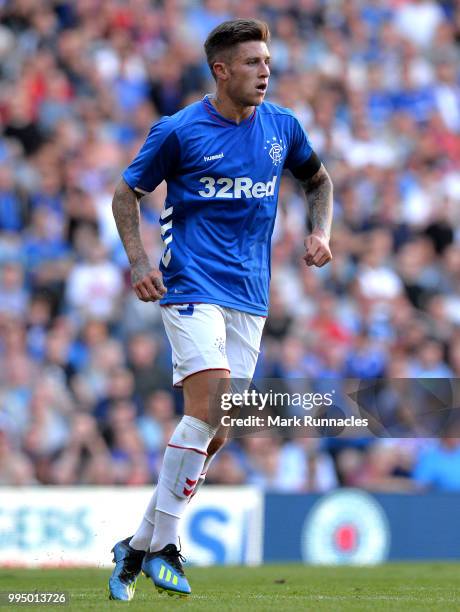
[221, 70]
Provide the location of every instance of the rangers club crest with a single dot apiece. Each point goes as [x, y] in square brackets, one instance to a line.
[275, 150]
[346, 527]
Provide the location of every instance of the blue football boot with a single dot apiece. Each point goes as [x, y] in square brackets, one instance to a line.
[165, 569]
[128, 564]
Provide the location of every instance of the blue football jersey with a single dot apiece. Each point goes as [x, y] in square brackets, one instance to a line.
[223, 180]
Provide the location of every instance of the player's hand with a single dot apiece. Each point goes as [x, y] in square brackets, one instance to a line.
[147, 282]
[317, 249]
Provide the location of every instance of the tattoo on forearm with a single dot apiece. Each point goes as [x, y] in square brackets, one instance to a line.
[125, 207]
[318, 191]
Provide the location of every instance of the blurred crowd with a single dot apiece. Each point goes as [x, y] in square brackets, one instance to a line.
[85, 375]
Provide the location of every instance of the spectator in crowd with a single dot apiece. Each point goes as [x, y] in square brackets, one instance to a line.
[438, 468]
[94, 286]
[158, 411]
[15, 468]
[85, 459]
[144, 362]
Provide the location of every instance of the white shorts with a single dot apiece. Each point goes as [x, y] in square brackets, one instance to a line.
[210, 337]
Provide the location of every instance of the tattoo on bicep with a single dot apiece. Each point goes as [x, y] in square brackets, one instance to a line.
[318, 191]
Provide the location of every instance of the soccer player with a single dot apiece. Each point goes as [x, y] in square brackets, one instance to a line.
[222, 159]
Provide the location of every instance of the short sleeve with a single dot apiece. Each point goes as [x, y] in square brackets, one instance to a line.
[300, 148]
[157, 159]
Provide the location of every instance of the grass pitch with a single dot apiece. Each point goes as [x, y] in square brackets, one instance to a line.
[398, 586]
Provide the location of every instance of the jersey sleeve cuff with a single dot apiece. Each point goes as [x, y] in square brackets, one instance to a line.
[131, 183]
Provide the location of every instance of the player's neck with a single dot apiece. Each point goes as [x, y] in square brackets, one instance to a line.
[228, 109]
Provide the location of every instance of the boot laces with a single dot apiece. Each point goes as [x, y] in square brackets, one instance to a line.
[173, 555]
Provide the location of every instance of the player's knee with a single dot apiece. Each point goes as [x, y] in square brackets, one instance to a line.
[216, 444]
[202, 393]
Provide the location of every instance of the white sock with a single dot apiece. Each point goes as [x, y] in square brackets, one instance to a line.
[143, 536]
[202, 477]
[182, 467]
[166, 531]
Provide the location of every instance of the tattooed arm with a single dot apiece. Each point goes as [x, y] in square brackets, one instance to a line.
[146, 281]
[318, 191]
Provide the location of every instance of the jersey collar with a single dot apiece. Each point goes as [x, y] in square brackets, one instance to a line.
[214, 113]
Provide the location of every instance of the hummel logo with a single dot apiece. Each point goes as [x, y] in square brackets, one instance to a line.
[213, 157]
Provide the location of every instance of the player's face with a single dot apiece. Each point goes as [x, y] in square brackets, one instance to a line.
[248, 73]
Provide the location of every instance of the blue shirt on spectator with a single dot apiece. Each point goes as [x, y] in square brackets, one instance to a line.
[439, 468]
[10, 212]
